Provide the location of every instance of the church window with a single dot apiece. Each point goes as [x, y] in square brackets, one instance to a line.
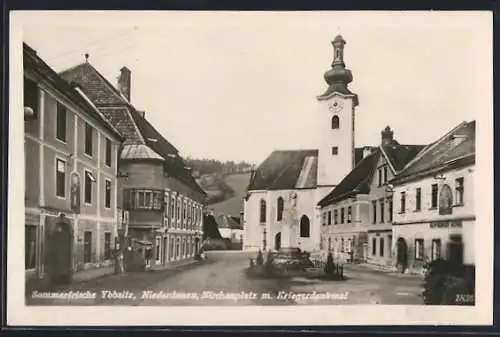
[304, 227]
[280, 209]
[335, 150]
[262, 210]
[335, 122]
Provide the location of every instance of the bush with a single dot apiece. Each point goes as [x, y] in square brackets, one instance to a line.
[446, 280]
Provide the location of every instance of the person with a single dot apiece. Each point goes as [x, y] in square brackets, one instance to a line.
[148, 257]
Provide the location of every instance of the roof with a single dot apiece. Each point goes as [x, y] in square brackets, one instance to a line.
[358, 181]
[139, 151]
[136, 129]
[459, 144]
[210, 228]
[226, 221]
[282, 169]
[291, 169]
[32, 62]
[97, 87]
[399, 155]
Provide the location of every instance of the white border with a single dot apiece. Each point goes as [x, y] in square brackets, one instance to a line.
[481, 314]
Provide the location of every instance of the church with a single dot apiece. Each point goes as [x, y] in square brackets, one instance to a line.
[305, 177]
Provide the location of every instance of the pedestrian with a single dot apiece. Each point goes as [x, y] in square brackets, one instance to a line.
[148, 257]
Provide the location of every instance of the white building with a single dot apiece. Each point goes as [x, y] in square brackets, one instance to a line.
[309, 174]
[434, 214]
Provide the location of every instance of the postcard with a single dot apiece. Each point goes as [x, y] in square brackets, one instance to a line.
[250, 168]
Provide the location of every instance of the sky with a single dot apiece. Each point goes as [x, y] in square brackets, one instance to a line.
[236, 86]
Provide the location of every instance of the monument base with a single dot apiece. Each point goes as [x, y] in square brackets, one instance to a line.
[292, 258]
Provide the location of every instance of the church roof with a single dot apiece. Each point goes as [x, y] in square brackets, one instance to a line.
[291, 169]
[458, 146]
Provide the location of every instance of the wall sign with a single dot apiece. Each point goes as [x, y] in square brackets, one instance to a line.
[446, 224]
[445, 200]
[75, 193]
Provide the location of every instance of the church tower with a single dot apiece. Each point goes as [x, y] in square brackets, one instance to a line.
[336, 122]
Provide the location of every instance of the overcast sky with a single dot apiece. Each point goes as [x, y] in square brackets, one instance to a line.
[236, 86]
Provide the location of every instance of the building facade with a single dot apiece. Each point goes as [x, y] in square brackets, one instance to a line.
[357, 214]
[304, 175]
[434, 214]
[163, 201]
[70, 175]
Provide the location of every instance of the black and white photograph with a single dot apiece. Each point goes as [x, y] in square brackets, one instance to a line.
[249, 168]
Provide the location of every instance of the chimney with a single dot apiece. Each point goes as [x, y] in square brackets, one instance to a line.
[387, 136]
[141, 113]
[124, 82]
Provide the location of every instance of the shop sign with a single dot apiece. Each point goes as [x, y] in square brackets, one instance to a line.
[446, 224]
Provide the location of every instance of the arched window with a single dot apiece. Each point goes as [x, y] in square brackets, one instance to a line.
[304, 227]
[335, 122]
[280, 208]
[262, 210]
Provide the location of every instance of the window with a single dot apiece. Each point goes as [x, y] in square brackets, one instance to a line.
[349, 214]
[107, 194]
[158, 246]
[434, 198]
[459, 191]
[87, 247]
[107, 245]
[403, 202]
[280, 207]
[172, 208]
[382, 210]
[108, 153]
[374, 212]
[147, 199]
[89, 131]
[31, 95]
[382, 247]
[262, 210]
[335, 122]
[390, 205]
[436, 249]
[385, 174]
[342, 245]
[304, 227]
[374, 246]
[61, 122]
[324, 218]
[335, 150]
[60, 178]
[419, 249]
[418, 199]
[342, 215]
[178, 210]
[336, 217]
[329, 218]
[89, 178]
[379, 177]
[30, 247]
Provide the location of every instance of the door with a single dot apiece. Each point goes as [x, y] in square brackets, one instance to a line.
[456, 249]
[277, 241]
[60, 258]
[402, 252]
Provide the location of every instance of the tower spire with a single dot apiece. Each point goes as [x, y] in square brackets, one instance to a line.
[338, 77]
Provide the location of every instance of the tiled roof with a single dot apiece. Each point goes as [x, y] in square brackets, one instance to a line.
[459, 143]
[96, 87]
[135, 128]
[32, 62]
[356, 182]
[139, 151]
[210, 228]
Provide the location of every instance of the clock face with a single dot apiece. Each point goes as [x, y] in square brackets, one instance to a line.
[335, 106]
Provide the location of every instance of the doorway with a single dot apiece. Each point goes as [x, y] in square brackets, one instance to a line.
[456, 249]
[60, 258]
[402, 255]
[277, 241]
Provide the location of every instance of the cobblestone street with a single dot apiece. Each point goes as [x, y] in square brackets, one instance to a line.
[202, 283]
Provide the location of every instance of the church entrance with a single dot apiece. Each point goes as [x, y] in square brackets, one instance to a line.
[402, 256]
[277, 241]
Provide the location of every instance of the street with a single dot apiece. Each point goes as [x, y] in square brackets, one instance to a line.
[221, 280]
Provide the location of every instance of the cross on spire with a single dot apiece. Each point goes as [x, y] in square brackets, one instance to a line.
[86, 57]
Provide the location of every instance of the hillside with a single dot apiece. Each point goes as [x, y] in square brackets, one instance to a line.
[234, 205]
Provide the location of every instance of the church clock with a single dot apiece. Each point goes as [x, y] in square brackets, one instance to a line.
[335, 106]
